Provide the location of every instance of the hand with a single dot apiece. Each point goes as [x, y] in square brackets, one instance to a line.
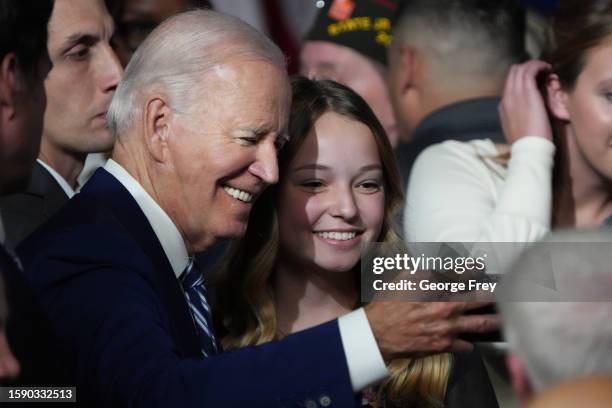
[9, 367]
[414, 329]
[522, 109]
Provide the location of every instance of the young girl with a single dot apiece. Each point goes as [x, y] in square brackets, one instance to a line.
[519, 191]
[298, 264]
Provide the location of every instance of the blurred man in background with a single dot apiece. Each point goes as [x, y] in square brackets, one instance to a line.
[135, 19]
[562, 330]
[447, 68]
[348, 43]
[24, 64]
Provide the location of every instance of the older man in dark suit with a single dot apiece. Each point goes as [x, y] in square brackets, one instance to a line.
[198, 117]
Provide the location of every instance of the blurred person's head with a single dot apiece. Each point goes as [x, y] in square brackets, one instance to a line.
[135, 19]
[447, 51]
[24, 64]
[348, 43]
[580, 88]
[198, 116]
[590, 392]
[562, 333]
[80, 85]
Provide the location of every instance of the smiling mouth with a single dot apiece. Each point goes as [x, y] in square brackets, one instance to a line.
[337, 235]
[239, 195]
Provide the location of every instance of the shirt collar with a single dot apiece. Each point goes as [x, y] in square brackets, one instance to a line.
[166, 231]
[59, 179]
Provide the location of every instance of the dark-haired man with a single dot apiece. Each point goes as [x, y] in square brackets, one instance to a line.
[447, 68]
[24, 64]
[79, 88]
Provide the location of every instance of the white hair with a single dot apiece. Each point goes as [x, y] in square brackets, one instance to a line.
[564, 339]
[175, 56]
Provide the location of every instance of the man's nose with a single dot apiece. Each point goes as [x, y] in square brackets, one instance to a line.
[110, 69]
[265, 166]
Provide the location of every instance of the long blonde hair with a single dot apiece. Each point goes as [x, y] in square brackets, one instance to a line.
[245, 294]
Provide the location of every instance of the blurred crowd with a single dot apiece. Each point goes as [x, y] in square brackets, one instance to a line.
[187, 188]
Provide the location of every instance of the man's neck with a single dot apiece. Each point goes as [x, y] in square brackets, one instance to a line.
[425, 100]
[68, 165]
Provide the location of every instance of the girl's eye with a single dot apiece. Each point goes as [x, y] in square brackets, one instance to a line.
[313, 185]
[370, 186]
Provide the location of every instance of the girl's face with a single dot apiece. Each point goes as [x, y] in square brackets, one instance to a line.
[332, 198]
[589, 110]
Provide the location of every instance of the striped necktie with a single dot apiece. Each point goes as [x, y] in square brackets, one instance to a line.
[192, 282]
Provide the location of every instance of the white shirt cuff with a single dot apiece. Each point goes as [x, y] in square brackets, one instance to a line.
[365, 363]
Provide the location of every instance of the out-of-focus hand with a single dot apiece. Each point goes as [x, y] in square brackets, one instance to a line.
[414, 329]
[9, 366]
[522, 108]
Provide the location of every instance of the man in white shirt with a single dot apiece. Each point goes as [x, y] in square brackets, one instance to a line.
[199, 117]
[79, 88]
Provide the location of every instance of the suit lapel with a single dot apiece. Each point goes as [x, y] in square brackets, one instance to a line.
[110, 191]
[43, 184]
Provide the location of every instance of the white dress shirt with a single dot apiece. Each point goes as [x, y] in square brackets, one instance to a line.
[365, 363]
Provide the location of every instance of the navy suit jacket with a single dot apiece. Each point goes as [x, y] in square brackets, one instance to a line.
[124, 330]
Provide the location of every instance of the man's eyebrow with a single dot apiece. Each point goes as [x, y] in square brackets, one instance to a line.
[80, 38]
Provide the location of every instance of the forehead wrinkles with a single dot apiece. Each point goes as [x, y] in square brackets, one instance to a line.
[257, 82]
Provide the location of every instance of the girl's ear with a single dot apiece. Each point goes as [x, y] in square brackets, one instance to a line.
[558, 98]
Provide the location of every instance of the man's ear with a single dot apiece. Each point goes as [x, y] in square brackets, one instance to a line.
[157, 126]
[407, 67]
[518, 376]
[557, 98]
[8, 84]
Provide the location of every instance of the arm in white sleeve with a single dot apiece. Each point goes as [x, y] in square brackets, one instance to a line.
[455, 195]
[365, 363]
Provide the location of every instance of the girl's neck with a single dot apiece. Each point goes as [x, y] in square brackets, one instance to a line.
[583, 197]
[308, 296]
